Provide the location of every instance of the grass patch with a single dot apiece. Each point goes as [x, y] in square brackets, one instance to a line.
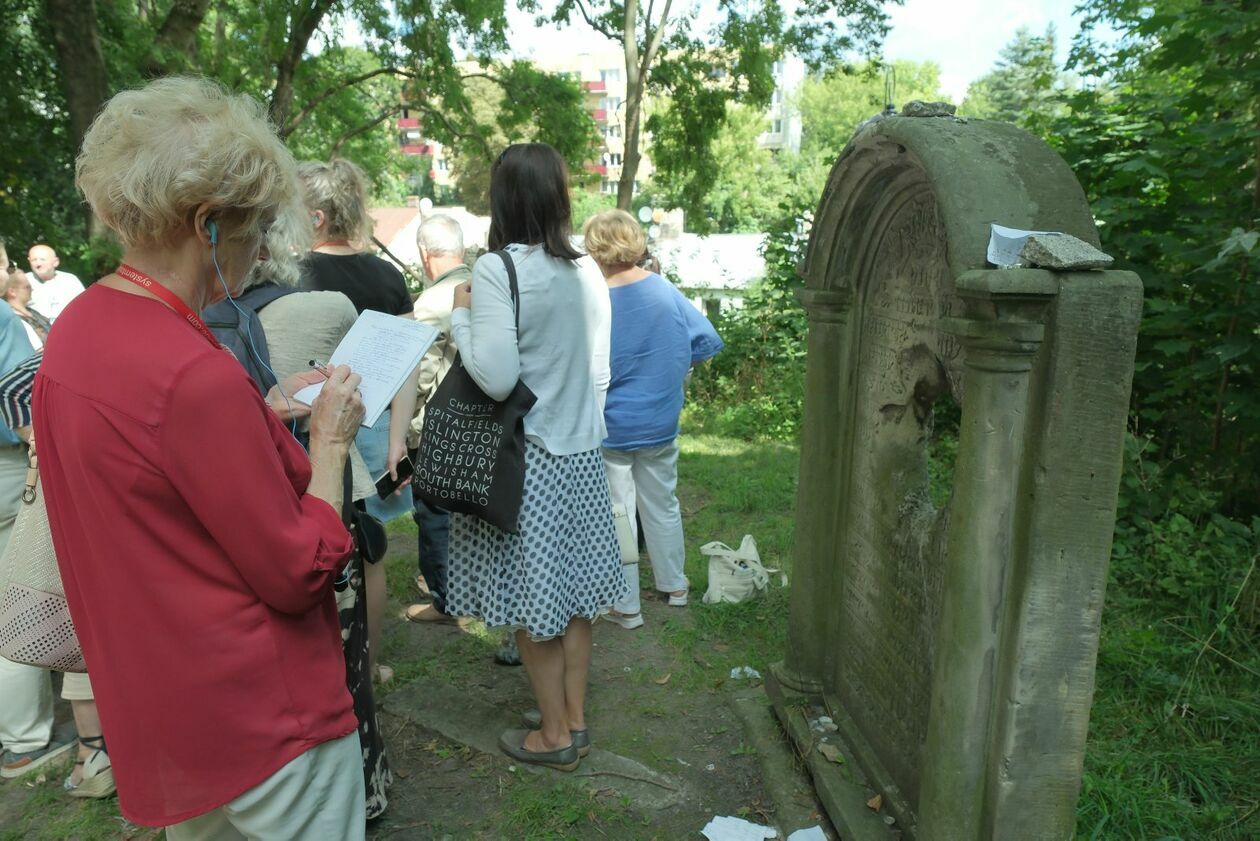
[49, 815]
[536, 811]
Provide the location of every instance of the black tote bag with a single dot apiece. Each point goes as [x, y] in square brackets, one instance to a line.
[472, 448]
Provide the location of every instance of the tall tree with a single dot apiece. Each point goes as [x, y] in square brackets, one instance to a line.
[1166, 141]
[699, 74]
[1026, 87]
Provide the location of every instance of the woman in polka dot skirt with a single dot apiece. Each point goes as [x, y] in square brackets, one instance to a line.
[562, 569]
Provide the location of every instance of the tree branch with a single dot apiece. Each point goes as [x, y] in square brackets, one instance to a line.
[630, 41]
[462, 135]
[654, 44]
[332, 90]
[594, 23]
[363, 129]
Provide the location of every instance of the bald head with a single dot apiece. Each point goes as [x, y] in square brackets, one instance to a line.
[43, 262]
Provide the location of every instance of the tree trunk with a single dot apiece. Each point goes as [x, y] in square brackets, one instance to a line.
[81, 70]
[635, 82]
[177, 35]
[303, 28]
[631, 156]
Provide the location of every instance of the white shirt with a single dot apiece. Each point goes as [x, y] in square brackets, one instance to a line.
[49, 298]
[561, 352]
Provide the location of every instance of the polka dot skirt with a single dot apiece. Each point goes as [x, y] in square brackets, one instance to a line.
[564, 563]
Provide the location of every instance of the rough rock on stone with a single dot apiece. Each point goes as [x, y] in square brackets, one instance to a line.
[918, 108]
[1062, 252]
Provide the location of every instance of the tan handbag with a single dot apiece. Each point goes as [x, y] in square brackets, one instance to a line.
[35, 624]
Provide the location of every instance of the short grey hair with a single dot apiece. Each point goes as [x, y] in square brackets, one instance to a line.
[441, 236]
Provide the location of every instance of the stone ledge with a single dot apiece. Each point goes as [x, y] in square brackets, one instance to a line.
[786, 781]
[841, 787]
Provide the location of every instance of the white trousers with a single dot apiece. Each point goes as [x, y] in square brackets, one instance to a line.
[645, 480]
[316, 797]
[26, 701]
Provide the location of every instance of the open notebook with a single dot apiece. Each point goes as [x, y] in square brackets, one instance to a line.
[384, 350]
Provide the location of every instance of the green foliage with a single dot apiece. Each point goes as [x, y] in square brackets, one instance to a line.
[1173, 549]
[1026, 87]
[586, 204]
[326, 99]
[1174, 743]
[699, 75]
[750, 184]
[518, 104]
[755, 387]
[834, 104]
[1165, 148]
[38, 202]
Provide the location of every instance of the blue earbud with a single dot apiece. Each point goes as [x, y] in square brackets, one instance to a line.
[212, 228]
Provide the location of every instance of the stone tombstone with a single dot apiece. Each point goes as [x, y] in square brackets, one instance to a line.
[953, 640]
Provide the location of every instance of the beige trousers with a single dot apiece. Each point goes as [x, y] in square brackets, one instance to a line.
[316, 797]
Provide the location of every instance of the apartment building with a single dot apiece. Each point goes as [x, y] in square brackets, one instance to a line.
[602, 76]
[784, 130]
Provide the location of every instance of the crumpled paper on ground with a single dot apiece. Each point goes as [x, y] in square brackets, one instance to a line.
[813, 833]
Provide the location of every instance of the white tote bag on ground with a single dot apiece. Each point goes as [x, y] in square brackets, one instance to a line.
[735, 575]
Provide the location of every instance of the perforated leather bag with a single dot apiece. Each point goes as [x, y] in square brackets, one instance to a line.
[35, 624]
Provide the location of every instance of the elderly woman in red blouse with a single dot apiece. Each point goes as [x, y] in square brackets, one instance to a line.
[198, 542]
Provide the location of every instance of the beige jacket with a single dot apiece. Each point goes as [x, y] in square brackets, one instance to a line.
[434, 307]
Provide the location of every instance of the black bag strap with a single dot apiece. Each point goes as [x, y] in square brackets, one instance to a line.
[510, 265]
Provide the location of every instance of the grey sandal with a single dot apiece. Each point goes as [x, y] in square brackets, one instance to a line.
[581, 738]
[512, 742]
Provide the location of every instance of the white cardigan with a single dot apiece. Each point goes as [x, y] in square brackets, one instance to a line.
[561, 353]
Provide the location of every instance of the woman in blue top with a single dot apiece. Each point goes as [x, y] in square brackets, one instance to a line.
[657, 335]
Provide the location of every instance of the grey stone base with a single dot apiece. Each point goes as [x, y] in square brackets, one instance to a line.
[841, 786]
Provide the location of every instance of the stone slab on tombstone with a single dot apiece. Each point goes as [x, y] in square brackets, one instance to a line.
[956, 638]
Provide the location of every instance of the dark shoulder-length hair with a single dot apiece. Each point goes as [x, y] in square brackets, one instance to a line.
[529, 200]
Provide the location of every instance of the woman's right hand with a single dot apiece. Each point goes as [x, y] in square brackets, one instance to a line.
[338, 410]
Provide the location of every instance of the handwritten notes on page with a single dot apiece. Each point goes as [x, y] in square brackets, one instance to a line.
[383, 350]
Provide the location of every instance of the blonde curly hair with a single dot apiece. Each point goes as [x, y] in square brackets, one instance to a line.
[155, 154]
[339, 189]
[614, 238]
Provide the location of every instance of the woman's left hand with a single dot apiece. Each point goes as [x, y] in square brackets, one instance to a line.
[397, 451]
[463, 296]
[280, 398]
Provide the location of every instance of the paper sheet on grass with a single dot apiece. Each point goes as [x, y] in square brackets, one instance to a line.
[382, 349]
[727, 828]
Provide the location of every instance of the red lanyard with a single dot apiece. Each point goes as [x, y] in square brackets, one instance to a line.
[168, 297]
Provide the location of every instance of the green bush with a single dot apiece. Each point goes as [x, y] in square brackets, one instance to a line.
[754, 389]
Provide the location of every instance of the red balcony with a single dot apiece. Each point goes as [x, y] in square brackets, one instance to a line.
[594, 86]
[600, 115]
[598, 169]
[409, 122]
[417, 149]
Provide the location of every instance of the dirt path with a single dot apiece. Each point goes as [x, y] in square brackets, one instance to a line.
[670, 750]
